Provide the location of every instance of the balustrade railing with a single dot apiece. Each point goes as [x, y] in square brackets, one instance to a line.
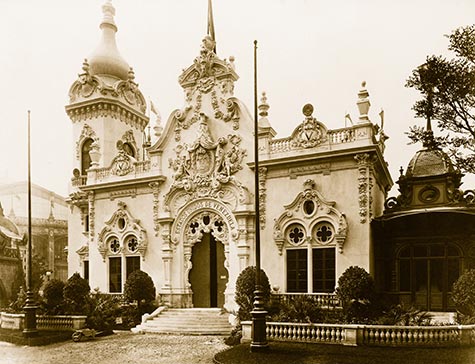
[371, 335]
[338, 136]
[325, 300]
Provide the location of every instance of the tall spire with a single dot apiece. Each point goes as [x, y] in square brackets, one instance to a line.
[210, 30]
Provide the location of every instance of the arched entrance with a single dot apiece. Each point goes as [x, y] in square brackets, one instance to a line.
[208, 277]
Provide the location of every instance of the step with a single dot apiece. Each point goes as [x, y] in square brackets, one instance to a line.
[188, 321]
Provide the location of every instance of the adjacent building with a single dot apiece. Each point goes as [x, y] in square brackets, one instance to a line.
[49, 224]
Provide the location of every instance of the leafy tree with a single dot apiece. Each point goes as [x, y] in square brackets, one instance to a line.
[245, 287]
[76, 294]
[139, 287]
[448, 96]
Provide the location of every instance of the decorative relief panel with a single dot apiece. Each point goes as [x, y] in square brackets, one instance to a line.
[262, 197]
[91, 201]
[205, 167]
[310, 219]
[155, 186]
[365, 186]
[311, 132]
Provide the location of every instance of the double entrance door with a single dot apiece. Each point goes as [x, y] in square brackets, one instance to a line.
[208, 276]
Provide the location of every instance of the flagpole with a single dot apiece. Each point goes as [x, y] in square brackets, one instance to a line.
[259, 340]
[30, 304]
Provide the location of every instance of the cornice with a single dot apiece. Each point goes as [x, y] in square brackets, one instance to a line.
[101, 107]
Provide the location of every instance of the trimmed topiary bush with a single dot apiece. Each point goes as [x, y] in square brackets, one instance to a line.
[139, 287]
[53, 297]
[245, 286]
[463, 295]
[357, 295]
[76, 293]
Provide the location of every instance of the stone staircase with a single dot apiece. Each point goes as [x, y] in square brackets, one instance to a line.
[442, 317]
[186, 321]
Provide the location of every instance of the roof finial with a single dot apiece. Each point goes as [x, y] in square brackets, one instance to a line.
[263, 106]
[363, 103]
[109, 11]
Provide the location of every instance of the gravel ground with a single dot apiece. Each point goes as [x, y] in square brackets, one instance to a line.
[123, 347]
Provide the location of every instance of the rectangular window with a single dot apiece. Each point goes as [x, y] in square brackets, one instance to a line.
[324, 270]
[115, 275]
[297, 270]
[86, 270]
[132, 264]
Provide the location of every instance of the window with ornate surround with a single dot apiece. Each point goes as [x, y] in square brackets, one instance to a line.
[309, 232]
[124, 243]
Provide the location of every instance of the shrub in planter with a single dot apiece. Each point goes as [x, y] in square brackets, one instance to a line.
[463, 295]
[76, 293]
[302, 309]
[102, 312]
[405, 316]
[139, 287]
[245, 286]
[357, 295]
[53, 298]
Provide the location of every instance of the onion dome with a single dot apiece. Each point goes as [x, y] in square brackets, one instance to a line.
[429, 162]
[7, 227]
[106, 59]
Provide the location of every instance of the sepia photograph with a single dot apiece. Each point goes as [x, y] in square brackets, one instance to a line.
[210, 181]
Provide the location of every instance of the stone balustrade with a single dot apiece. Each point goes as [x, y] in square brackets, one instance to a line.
[334, 138]
[325, 300]
[371, 335]
[15, 321]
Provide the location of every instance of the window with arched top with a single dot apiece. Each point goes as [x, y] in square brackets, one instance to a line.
[85, 157]
[129, 149]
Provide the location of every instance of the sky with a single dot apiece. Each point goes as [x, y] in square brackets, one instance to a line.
[309, 51]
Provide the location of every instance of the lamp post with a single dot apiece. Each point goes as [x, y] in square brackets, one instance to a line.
[259, 339]
[30, 304]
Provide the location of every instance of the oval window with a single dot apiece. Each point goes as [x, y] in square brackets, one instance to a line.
[121, 223]
[309, 207]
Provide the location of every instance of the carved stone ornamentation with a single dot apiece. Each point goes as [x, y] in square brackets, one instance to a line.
[365, 185]
[307, 214]
[123, 229]
[88, 87]
[91, 200]
[86, 133]
[311, 132]
[205, 166]
[209, 75]
[129, 138]
[262, 197]
[123, 163]
[155, 186]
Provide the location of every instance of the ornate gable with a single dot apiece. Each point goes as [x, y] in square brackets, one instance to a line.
[203, 167]
[114, 238]
[310, 219]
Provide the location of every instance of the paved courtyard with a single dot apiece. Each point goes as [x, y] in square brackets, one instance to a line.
[123, 347]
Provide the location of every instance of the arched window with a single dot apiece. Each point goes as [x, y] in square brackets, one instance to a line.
[129, 149]
[123, 255]
[85, 157]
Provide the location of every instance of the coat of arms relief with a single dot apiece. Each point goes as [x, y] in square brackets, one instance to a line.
[203, 167]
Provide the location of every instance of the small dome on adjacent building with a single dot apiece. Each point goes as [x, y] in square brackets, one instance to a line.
[7, 227]
[106, 59]
[429, 162]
